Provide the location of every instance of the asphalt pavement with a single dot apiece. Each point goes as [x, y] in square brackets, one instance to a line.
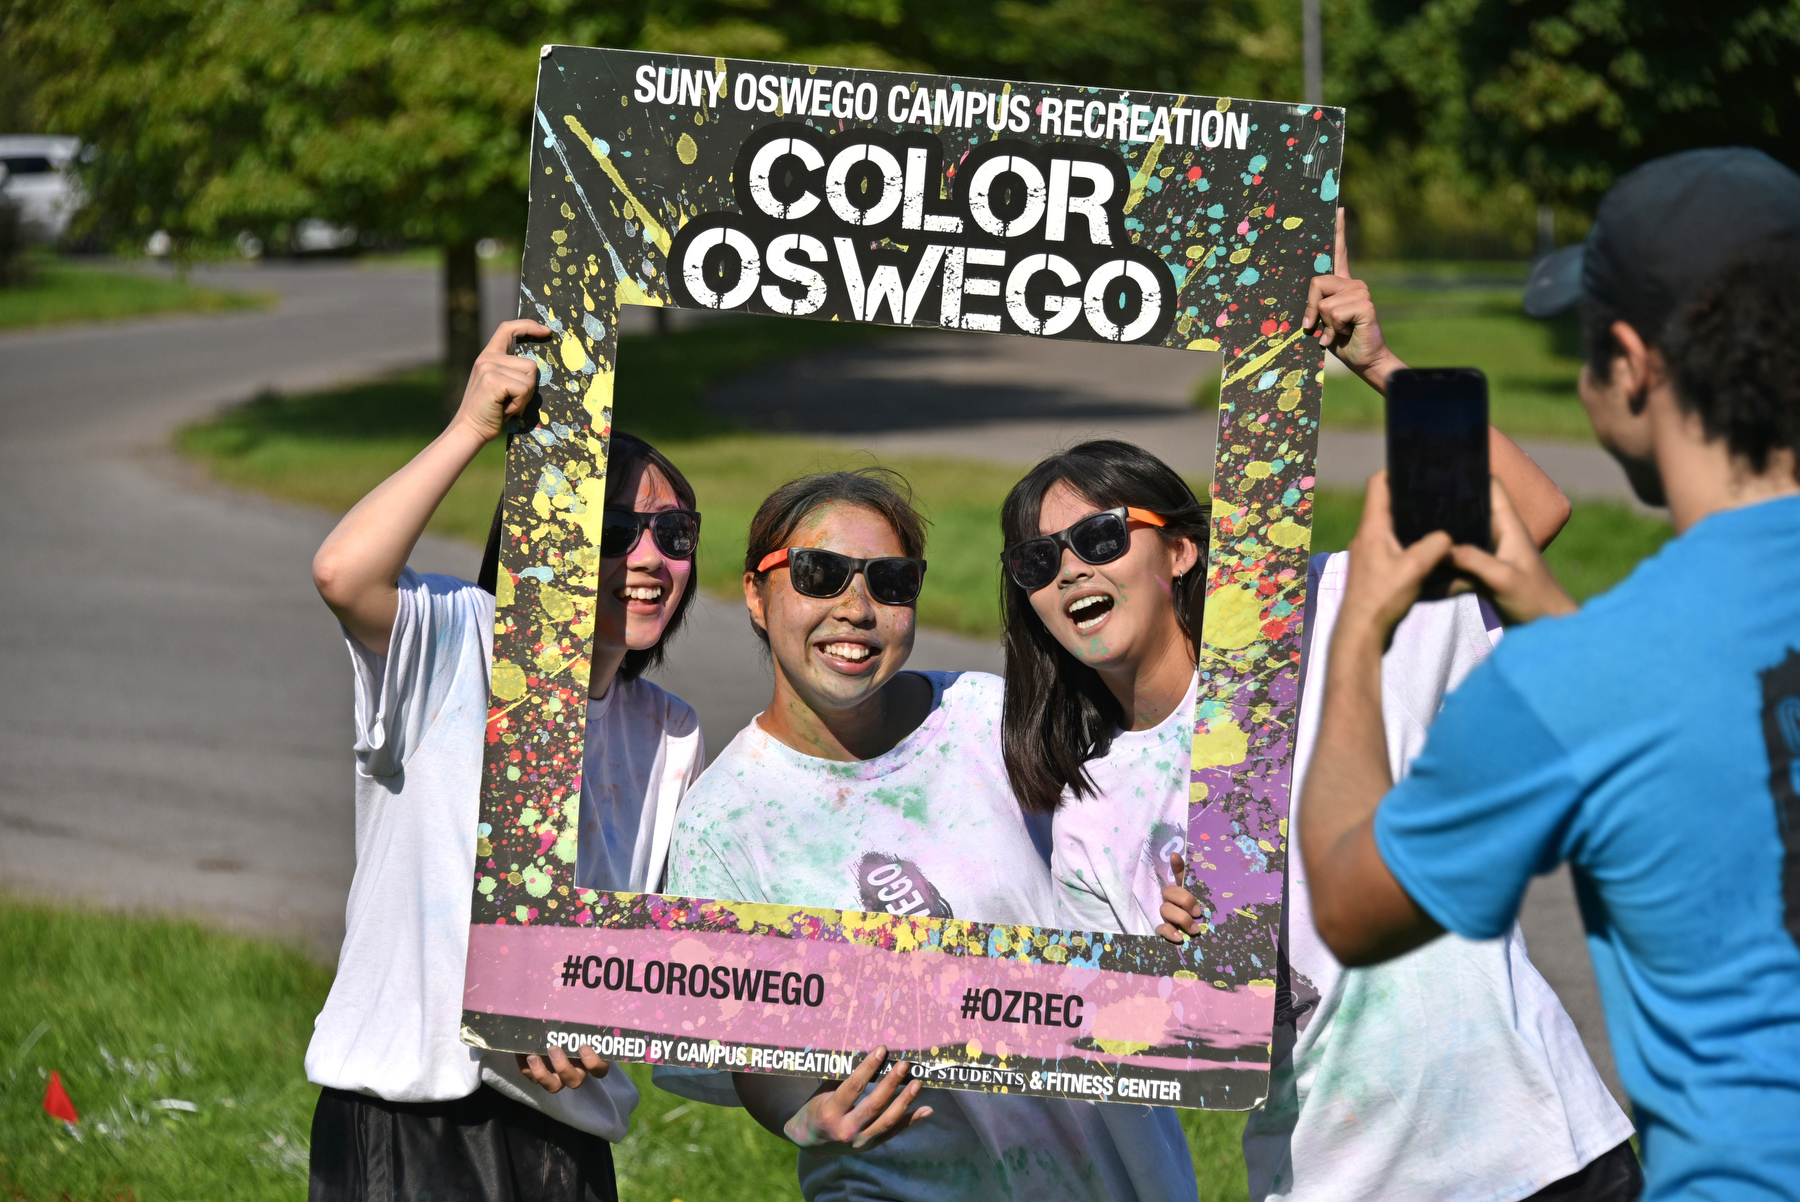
[175, 732]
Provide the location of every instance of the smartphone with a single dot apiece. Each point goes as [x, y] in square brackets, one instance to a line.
[1437, 453]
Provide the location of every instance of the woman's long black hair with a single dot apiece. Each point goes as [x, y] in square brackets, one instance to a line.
[1058, 713]
[626, 452]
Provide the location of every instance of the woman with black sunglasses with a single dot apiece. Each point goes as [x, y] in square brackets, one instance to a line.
[1452, 1072]
[403, 1097]
[866, 787]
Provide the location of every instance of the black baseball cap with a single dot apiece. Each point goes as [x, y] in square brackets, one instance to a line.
[1665, 229]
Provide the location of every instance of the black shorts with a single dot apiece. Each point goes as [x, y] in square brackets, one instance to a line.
[1613, 1176]
[482, 1148]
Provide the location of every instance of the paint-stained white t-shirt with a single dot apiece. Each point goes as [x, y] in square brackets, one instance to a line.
[1452, 1072]
[389, 1026]
[769, 824]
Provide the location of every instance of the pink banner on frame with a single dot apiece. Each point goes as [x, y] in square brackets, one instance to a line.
[720, 1000]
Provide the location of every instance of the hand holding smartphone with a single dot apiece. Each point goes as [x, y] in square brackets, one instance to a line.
[1437, 452]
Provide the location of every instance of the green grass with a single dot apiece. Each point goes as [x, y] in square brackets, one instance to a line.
[62, 292]
[1456, 315]
[134, 1010]
[328, 449]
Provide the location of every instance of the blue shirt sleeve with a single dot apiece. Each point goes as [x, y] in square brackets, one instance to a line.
[1489, 804]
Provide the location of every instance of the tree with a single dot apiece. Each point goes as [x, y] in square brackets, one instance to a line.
[208, 117]
[1567, 95]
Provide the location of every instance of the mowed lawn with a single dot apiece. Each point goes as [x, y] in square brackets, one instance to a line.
[1470, 315]
[62, 291]
[181, 1049]
[328, 449]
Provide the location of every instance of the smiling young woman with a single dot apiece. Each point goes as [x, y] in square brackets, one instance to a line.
[866, 787]
[403, 1098]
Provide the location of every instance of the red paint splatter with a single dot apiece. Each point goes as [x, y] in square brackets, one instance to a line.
[1194, 173]
[1268, 327]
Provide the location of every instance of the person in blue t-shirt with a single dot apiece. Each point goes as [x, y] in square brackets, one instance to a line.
[1651, 738]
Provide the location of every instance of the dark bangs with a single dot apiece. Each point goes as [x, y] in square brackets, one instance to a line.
[1058, 713]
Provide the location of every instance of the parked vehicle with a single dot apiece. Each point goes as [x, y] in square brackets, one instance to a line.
[38, 182]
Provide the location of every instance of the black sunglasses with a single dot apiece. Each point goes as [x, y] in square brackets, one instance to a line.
[892, 579]
[676, 531]
[1096, 539]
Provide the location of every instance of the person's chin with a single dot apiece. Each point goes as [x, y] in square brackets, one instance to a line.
[1645, 480]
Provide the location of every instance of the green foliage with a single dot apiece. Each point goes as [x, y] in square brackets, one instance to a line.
[137, 1013]
[58, 292]
[1562, 96]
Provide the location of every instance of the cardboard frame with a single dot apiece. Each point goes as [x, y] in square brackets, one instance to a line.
[1031, 209]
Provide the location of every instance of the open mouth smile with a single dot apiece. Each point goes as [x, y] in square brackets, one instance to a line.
[1089, 611]
[848, 655]
[640, 598]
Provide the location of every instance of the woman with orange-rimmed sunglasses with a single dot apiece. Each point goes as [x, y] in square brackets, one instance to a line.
[866, 787]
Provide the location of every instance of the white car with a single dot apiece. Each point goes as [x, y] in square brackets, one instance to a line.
[38, 181]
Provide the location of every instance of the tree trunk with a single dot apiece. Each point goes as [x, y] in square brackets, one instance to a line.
[462, 321]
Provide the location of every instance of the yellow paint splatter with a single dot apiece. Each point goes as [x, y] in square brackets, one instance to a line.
[1289, 400]
[1198, 792]
[1204, 344]
[1142, 178]
[1288, 533]
[599, 398]
[686, 149]
[1196, 252]
[1242, 253]
[556, 603]
[1233, 617]
[658, 234]
[574, 357]
[1121, 1047]
[503, 590]
[629, 292]
[1258, 469]
[508, 680]
[1292, 223]
[1257, 364]
[1221, 745]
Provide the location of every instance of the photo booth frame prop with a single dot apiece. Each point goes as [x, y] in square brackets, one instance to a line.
[943, 202]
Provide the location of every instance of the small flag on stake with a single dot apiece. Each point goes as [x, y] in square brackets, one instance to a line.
[57, 1103]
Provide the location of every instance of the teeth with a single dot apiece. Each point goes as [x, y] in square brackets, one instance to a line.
[642, 593]
[1089, 624]
[1083, 603]
[850, 651]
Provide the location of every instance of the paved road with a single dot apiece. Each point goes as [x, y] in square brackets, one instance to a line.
[175, 731]
[1013, 400]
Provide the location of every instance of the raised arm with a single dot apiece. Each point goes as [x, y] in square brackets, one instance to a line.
[1347, 325]
[357, 568]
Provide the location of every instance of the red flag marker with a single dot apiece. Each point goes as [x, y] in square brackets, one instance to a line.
[56, 1101]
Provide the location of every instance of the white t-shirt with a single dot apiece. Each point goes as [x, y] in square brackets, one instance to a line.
[1449, 1073]
[389, 1027]
[769, 824]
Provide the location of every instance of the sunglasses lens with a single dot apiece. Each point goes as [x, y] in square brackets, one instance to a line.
[677, 533]
[1033, 564]
[894, 581]
[1100, 539]
[815, 573]
[618, 533]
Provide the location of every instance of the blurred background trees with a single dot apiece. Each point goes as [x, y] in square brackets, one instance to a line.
[1471, 120]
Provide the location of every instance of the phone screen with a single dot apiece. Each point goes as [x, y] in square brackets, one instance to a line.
[1437, 451]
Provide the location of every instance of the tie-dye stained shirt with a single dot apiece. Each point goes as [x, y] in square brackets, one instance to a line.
[931, 827]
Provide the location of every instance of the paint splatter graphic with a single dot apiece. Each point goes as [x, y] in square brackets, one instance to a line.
[1181, 221]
